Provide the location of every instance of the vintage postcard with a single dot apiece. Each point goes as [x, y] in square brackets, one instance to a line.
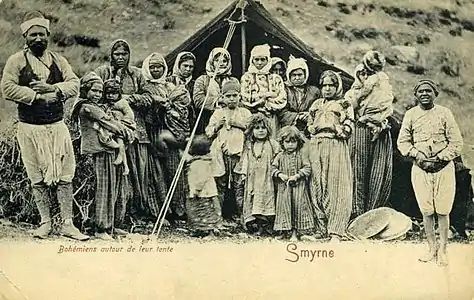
[205, 149]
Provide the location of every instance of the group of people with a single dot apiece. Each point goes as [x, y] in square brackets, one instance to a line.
[271, 152]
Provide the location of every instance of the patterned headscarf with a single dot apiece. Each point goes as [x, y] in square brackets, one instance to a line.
[260, 51]
[154, 58]
[336, 79]
[430, 83]
[210, 70]
[374, 61]
[86, 83]
[180, 58]
[295, 64]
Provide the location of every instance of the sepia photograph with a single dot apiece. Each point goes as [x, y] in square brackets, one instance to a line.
[236, 149]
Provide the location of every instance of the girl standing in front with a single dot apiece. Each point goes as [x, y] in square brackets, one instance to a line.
[255, 166]
[291, 170]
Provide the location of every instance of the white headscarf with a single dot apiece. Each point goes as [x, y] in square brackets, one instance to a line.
[260, 51]
[295, 64]
[210, 70]
[154, 57]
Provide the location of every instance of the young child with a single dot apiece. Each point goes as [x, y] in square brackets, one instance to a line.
[263, 91]
[291, 170]
[255, 167]
[203, 206]
[119, 110]
[371, 94]
[227, 126]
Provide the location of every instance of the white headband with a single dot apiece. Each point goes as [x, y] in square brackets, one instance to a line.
[25, 26]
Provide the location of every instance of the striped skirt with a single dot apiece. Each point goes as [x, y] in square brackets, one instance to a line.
[331, 184]
[111, 193]
[171, 163]
[147, 179]
[293, 208]
[372, 169]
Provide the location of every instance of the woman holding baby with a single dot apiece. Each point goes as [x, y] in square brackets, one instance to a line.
[371, 143]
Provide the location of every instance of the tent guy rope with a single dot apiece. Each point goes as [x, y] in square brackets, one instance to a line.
[169, 196]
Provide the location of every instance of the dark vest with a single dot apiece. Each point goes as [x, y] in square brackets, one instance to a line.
[40, 113]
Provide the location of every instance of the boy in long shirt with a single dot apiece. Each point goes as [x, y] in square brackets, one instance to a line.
[227, 126]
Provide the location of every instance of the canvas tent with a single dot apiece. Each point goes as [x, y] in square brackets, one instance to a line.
[260, 27]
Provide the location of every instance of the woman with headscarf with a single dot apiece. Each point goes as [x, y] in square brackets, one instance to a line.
[183, 71]
[207, 88]
[300, 95]
[145, 170]
[111, 191]
[278, 67]
[371, 143]
[330, 126]
[183, 75]
[167, 124]
[263, 91]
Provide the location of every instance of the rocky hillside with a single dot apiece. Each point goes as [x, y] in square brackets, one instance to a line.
[429, 38]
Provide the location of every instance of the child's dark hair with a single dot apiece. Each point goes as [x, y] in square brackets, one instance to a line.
[291, 132]
[201, 145]
[255, 120]
[112, 85]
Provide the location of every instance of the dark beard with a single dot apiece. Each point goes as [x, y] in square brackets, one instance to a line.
[38, 48]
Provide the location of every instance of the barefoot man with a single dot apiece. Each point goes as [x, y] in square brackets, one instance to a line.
[39, 81]
[430, 135]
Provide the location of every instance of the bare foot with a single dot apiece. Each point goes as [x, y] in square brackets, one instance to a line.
[442, 259]
[294, 237]
[335, 239]
[308, 238]
[118, 160]
[126, 170]
[104, 236]
[430, 256]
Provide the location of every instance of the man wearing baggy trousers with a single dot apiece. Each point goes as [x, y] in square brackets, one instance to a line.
[39, 81]
[430, 135]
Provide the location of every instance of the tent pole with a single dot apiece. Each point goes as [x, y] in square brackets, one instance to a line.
[244, 43]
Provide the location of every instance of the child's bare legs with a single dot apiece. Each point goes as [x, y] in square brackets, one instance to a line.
[375, 130]
[122, 157]
[443, 225]
[428, 224]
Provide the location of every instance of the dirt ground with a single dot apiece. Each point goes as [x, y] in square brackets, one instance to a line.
[179, 267]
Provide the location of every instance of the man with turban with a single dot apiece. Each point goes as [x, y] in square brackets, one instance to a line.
[430, 135]
[40, 81]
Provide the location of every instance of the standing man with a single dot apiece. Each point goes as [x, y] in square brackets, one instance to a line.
[39, 81]
[430, 135]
